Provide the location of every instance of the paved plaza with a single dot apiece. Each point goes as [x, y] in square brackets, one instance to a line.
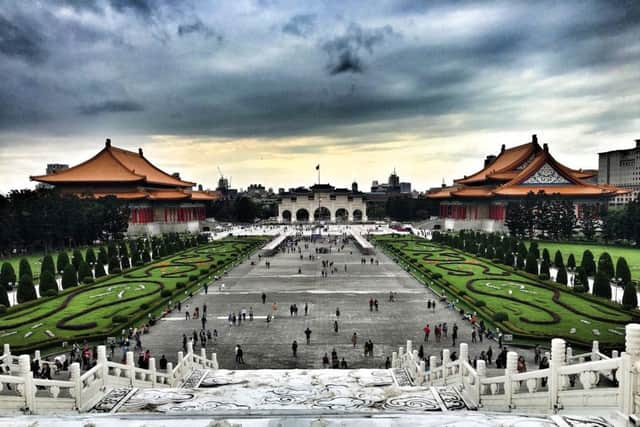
[268, 345]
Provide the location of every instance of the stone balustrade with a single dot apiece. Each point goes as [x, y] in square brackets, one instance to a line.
[25, 394]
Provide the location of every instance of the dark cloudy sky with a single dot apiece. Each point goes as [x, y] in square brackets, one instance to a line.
[268, 88]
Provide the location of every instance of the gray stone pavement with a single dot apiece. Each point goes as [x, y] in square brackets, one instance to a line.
[268, 346]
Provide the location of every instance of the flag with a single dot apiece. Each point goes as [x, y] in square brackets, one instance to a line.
[318, 167]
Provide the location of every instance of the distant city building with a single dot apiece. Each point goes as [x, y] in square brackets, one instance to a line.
[405, 187]
[321, 202]
[479, 201]
[51, 169]
[393, 185]
[622, 169]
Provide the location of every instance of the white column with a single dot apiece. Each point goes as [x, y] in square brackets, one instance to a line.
[29, 389]
[464, 352]
[6, 352]
[214, 360]
[511, 369]
[74, 373]
[558, 353]
[629, 378]
[131, 367]
[102, 362]
[170, 379]
[446, 360]
[152, 371]
[481, 369]
[394, 359]
[595, 349]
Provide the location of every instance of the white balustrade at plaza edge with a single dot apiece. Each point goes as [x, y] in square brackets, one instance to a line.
[363, 244]
[585, 383]
[22, 393]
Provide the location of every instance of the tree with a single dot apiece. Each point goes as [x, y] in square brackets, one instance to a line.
[622, 271]
[508, 259]
[605, 264]
[544, 270]
[601, 285]
[26, 291]
[77, 259]
[99, 270]
[103, 258]
[124, 256]
[557, 260]
[90, 256]
[571, 261]
[588, 263]
[62, 262]
[546, 256]
[246, 210]
[531, 264]
[114, 265]
[7, 275]
[25, 269]
[47, 265]
[48, 285]
[580, 281]
[84, 273]
[630, 297]
[561, 276]
[534, 249]
[4, 297]
[69, 277]
[589, 221]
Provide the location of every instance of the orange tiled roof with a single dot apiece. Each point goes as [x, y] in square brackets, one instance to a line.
[168, 194]
[153, 195]
[114, 164]
[515, 166]
[202, 195]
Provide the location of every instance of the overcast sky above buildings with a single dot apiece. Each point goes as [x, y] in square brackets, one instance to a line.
[266, 89]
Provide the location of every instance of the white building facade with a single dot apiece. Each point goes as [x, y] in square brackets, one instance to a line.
[322, 202]
[622, 169]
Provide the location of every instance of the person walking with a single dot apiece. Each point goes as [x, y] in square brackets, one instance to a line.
[239, 355]
[454, 334]
[473, 335]
[354, 339]
[489, 355]
[375, 303]
[264, 297]
[184, 343]
[307, 333]
[294, 348]
[427, 332]
[338, 312]
[325, 361]
[343, 364]
[251, 314]
[335, 326]
[306, 308]
[204, 321]
[274, 309]
[387, 363]
[370, 304]
[187, 316]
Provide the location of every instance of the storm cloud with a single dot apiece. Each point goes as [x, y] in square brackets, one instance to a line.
[356, 75]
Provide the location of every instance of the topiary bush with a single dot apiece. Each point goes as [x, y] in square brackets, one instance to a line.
[193, 277]
[119, 319]
[500, 317]
[180, 285]
[144, 306]
[48, 283]
[49, 293]
[480, 303]
[69, 277]
[165, 293]
[26, 291]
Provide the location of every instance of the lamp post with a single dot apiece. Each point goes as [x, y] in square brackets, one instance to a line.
[572, 270]
[15, 294]
[617, 281]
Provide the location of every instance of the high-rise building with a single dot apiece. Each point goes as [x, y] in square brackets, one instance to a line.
[622, 169]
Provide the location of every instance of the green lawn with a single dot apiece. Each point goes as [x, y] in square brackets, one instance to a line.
[630, 254]
[88, 310]
[534, 309]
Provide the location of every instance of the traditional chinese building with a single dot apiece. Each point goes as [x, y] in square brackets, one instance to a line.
[159, 202]
[479, 201]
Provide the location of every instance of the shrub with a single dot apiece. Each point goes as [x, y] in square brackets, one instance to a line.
[601, 286]
[436, 276]
[48, 283]
[103, 258]
[557, 260]
[571, 261]
[26, 291]
[99, 271]
[544, 269]
[500, 317]
[88, 280]
[462, 293]
[47, 265]
[622, 271]
[532, 263]
[165, 293]
[580, 281]
[84, 271]
[4, 299]
[77, 258]
[90, 256]
[119, 319]
[561, 277]
[3, 309]
[49, 293]
[629, 297]
[7, 275]
[544, 276]
[588, 263]
[144, 306]
[69, 277]
[480, 303]
[193, 277]
[180, 285]
[24, 268]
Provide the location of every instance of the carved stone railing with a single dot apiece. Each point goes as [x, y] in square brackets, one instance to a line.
[22, 393]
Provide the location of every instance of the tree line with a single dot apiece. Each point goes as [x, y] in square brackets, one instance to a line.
[513, 252]
[45, 219]
[116, 256]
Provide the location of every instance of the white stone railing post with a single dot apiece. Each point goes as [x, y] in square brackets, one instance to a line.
[102, 363]
[29, 390]
[6, 353]
[569, 352]
[189, 355]
[628, 376]
[36, 355]
[180, 367]
[558, 352]
[214, 360]
[433, 364]
[614, 354]
[510, 370]
[152, 371]
[170, 378]
[394, 359]
[74, 374]
[464, 352]
[481, 369]
[131, 367]
[409, 347]
[446, 360]
[401, 357]
[422, 367]
[203, 357]
[595, 350]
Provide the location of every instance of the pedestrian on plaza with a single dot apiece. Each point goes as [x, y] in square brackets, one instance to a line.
[264, 297]
[489, 355]
[206, 288]
[454, 335]
[536, 354]
[163, 363]
[325, 361]
[421, 352]
[184, 343]
[427, 332]
[187, 316]
[294, 348]
[239, 317]
[473, 335]
[370, 348]
[433, 306]
[204, 321]
[204, 310]
[335, 326]
[343, 364]
[250, 314]
[307, 333]
[429, 304]
[179, 306]
[499, 339]
[274, 309]
[239, 355]
[387, 363]
[233, 318]
[370, 304]
[445, 329]
[306, 308]
[338, 313]
[244, 314]
[354, 339]
[268, 319]
[375, 303]
[215, 336]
